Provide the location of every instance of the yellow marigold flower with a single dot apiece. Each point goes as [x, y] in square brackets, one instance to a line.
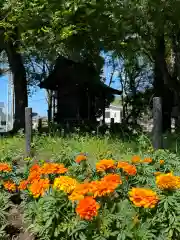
[147, 160]
[80, 158]
[167, 181]
[127, 168]
[104, 165]
[87, 208]
[178, 182]
[53, 168]
[65, 183]
[142, 197]
[39, 187]
[75, 196]
[161, 162]
[4, 167]
[136, 159]
[10, 186]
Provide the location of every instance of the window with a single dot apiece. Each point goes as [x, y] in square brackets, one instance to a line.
[107, 114]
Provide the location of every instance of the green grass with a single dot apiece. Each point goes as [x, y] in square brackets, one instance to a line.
[55, 148]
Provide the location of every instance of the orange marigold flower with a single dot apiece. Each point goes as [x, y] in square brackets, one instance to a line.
[122, 164]
[167, 181]
[80, 158]
[35, 173]
[4, 167]
[112, 178]
[87, 208]
[10, 186]
[136, 159]
[104, 165]
[53, 168]
[38, 187]
[127, 168]
[142, 197]
[103, 188]
[65, 183]
[81, 190]
[34, 176]
[161, 162]
[147, 160]
[36, 168]
[23, 185]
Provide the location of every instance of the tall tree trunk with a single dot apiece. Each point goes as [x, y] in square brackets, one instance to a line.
[19, 80]
[162, 83]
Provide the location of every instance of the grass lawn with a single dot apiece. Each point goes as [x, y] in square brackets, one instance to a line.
[54, 148]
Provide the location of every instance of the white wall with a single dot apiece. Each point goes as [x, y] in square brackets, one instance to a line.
[115, 112]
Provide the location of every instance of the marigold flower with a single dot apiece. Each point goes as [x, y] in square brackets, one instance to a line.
[36, 168]
[104, 165]
[81, 190]
[142, 197]
[23, 185]
[10, 186]
[147, 160]
[112, 178]
[5, 167]
[53, 168]
[80, 158]
[167, 181]
[75, 196]
[34, 176]
[136, 159]
[127, 168]
[38, 187]
[35, 173]
[122, 164]
[87, 208]
[65, 183]
[103, 188]
[161, 162]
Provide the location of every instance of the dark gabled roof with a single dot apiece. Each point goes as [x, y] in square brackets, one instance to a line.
[66, 70]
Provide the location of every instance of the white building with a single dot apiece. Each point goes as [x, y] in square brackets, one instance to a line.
[114, 112]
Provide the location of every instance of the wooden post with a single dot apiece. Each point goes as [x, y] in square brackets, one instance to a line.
[112, 122]
[98, 127]
[28, 130]
[40, 125]
[157, 123]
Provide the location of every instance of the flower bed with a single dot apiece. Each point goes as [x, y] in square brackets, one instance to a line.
[137, 199]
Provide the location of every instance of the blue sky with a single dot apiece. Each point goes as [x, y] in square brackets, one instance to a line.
[38, 100]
